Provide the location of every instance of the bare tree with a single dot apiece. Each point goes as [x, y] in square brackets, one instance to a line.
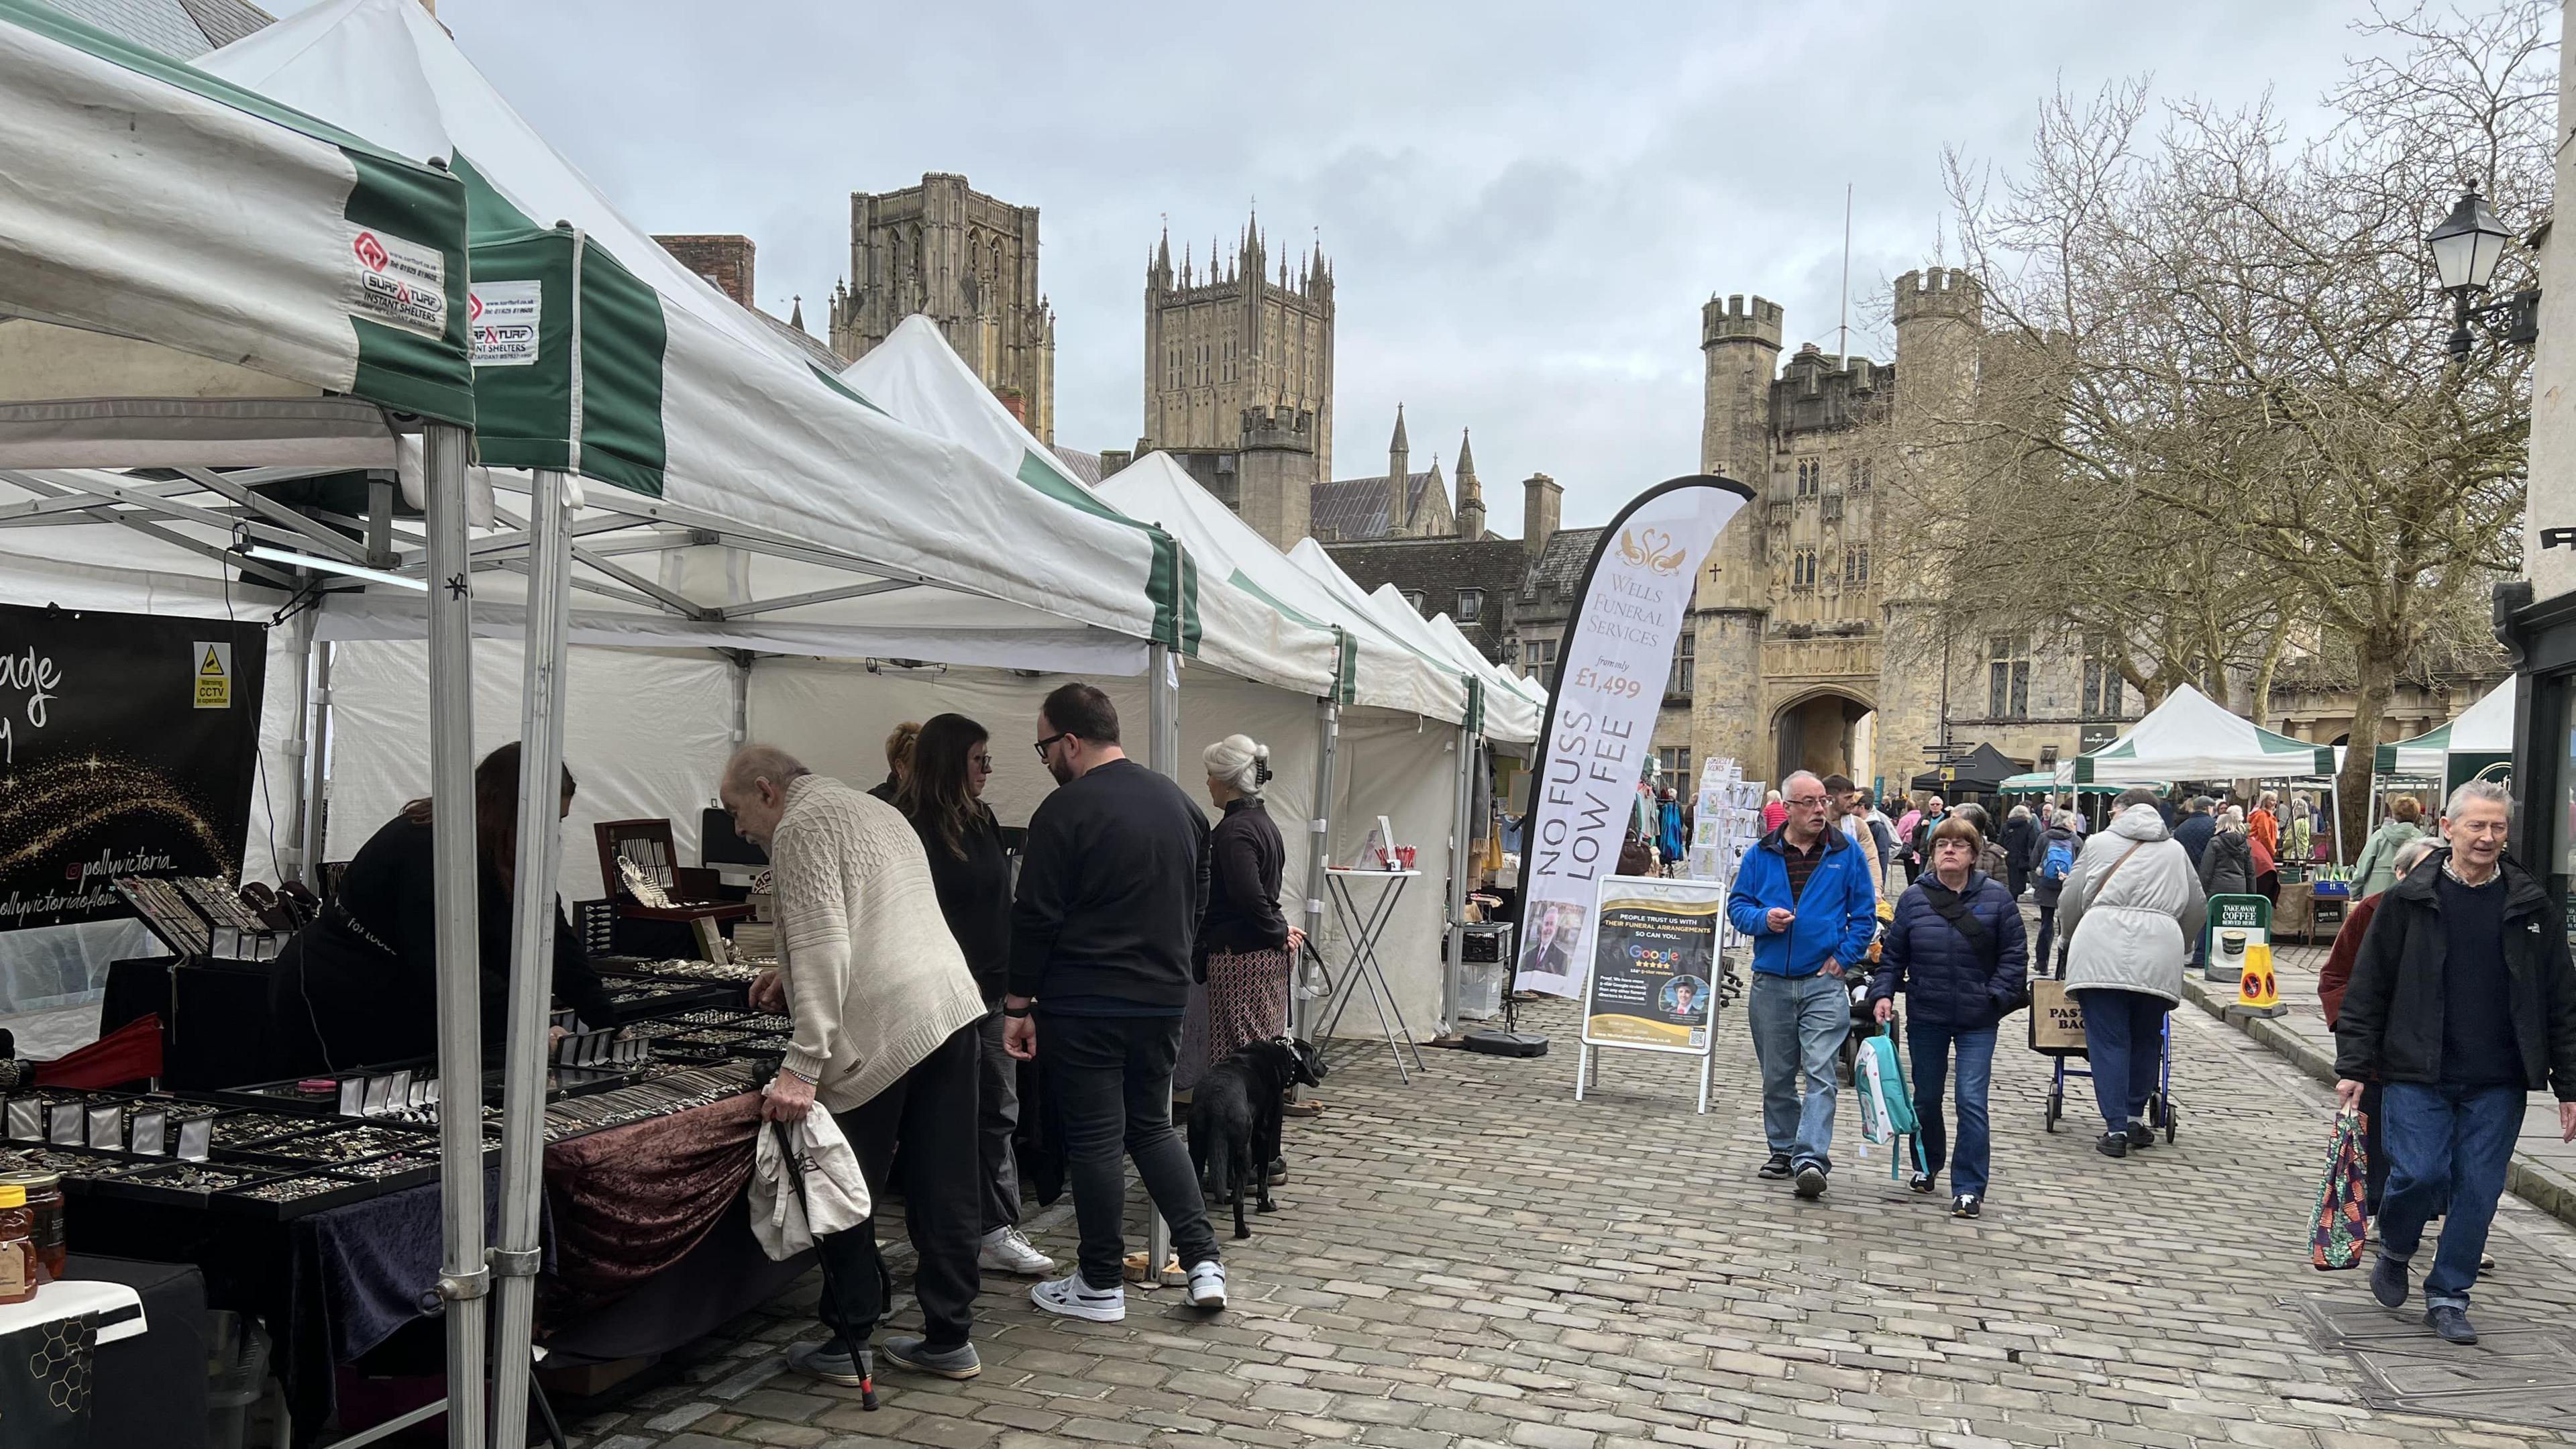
[2222, 352]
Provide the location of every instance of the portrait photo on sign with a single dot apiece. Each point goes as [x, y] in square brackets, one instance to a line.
[1555, 939]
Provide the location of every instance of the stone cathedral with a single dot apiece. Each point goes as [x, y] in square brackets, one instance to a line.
[971, 263]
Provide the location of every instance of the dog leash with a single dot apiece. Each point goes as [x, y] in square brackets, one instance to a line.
[858, 1352]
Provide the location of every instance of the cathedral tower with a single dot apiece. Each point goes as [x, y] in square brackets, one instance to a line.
[1236, 337]
[969, 262]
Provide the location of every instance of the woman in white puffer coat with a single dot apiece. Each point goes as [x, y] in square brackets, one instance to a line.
[2129, 911]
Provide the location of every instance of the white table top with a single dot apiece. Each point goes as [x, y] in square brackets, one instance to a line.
[58, 1301]
[1374, 874]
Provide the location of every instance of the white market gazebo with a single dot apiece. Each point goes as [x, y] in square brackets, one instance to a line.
[2474, 740]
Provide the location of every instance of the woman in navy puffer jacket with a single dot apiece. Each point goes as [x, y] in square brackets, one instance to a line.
[1958, 984]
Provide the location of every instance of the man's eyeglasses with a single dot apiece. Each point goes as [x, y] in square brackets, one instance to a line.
[1049, 742]
[1806, 802]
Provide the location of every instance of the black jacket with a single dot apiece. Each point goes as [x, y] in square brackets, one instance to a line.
[975, 895]
[2017, 838]
[2227, 864]
[1113, 882]
[363, 976]
[2193, 834]
[1246, 859]
[2390, 1029]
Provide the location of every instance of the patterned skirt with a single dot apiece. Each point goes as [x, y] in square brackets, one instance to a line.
[1245, 1000]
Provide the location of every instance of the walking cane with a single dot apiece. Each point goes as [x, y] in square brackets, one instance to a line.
[822, 1260]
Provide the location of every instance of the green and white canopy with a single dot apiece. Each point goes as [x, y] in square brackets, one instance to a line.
[920, 380]
[598, 352]
[145, 200]
[2043, 782]
[2190, 737]
[2484, 729]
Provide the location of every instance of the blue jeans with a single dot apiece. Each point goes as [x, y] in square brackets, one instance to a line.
[2445, 1145]
[2124, 1036]
[1930, 1049]
[1799, 1023]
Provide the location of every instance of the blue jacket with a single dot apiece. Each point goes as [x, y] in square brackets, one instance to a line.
[1836, 915]
[1945, 981]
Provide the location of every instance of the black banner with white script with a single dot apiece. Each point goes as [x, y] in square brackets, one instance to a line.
[129, 745]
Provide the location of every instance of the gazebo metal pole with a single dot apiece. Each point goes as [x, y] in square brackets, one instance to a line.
[317, 755]
[1454, 932]
[1319, 849]
[1163, 756]
[540, 858]
[462, 1280]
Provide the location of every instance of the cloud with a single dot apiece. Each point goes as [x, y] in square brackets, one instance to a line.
[1525, 204]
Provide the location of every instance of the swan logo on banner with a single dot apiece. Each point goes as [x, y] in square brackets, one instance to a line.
[1652, 550]
[1611, 666]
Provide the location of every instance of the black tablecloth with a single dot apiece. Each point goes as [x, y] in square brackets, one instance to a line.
[151, 1389]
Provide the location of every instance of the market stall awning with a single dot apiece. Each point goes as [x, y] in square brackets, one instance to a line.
[146, 200]
[2485, 728]
[2044, 782]
[921, 381]
[1984, 770]
[598, 352]
[1377, 668]
[2190, 737]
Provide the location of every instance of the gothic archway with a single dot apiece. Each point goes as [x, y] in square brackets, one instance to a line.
[1825, 731]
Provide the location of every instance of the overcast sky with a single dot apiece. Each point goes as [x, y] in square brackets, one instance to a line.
[1525, 204]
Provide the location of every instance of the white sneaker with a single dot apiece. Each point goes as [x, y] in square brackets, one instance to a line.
[1005, 1251]
[1073, 1298]
[1207, 1285]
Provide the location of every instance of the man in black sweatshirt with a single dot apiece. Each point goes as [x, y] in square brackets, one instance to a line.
[1112, 884]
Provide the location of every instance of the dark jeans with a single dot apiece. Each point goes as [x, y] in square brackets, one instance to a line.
[2017, 876]
[1931, 1050]
[1112, 1079]
[2047, 934]
[2446, 1145]
[930, 1114]
[997, 1123]
[2374, 1148]
[2124, 1037]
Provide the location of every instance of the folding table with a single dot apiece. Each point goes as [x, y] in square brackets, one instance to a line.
[1360, 932]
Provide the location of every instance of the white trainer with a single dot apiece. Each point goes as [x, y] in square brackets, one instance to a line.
[1073, 1298]
[1207, 1285]
[1005, 1251]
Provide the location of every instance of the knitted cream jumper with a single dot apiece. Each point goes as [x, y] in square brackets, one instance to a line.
[873, 978]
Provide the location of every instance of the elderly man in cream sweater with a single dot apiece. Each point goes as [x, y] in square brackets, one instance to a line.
[886, 1019]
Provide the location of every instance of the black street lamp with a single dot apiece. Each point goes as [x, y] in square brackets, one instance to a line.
[2466, 247]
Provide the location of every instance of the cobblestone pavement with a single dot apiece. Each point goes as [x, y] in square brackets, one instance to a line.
[1479, 1260]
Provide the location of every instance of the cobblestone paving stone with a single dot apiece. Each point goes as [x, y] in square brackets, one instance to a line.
[1478, 1260]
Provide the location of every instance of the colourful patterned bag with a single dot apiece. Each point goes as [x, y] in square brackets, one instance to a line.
[2342, 1224]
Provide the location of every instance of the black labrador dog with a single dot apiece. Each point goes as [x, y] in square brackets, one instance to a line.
[1235, 1116]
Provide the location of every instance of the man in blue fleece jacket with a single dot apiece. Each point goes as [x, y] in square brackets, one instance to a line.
[1805, 898]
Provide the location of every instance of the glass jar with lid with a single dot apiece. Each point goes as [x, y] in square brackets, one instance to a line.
[48, 1232]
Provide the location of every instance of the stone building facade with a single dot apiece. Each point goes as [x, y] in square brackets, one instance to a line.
[970, 263]
[1234, 337]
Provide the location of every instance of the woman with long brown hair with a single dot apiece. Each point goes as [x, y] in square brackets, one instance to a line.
[942, 794]
[359, 985]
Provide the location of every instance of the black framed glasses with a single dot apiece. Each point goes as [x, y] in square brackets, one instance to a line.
[1049, 742]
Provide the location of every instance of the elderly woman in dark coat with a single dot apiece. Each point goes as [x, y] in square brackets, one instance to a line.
[1958, 952]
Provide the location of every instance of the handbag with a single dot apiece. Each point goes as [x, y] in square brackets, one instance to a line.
[2341, 1223]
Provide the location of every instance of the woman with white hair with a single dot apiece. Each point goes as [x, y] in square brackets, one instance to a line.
[1244, 943]
[2227, 862]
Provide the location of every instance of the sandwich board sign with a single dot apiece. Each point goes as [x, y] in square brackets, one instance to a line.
[1653, 982]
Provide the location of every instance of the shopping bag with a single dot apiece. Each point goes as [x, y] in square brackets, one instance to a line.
[2342, 1220]
[1886, 1106]
[2056, 1019]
